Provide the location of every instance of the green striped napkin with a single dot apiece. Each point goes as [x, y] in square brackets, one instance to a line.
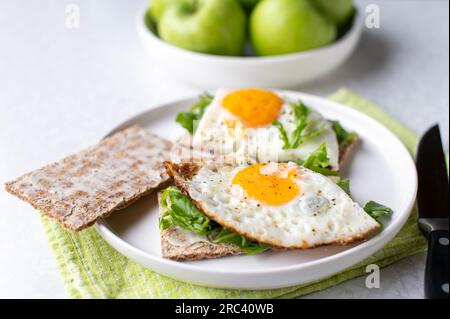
[90, 268]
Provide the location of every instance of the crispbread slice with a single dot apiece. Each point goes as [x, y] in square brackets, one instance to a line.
[86, 186]
[181, 244]
[346, 150]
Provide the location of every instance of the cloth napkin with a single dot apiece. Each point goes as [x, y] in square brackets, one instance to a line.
[90, 268]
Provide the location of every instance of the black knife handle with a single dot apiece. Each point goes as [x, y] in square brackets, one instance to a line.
[436, 271]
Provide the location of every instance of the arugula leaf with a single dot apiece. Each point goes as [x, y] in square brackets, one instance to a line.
[345, 185]
[324, 171]
[301, 111]
[298, 136]
[318, 158]
[195, 113]
[319, 162]
[185, 214]
[283, 134]
[376, 210]
[314, 133]
[343, 136]
[248, 246]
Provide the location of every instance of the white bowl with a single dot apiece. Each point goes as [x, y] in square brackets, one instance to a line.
[284, 71]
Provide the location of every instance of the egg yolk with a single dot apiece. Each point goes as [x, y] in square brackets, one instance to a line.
[254, 107]
[273, 189]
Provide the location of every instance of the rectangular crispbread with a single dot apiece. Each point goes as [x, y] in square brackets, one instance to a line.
[346, 150]
[86, 186]
[177, 244]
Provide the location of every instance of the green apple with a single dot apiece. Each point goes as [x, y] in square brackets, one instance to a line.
[158, 7]
[149, 22]
[207, 26]
[339, 11]
[248, 4]
[288, 26]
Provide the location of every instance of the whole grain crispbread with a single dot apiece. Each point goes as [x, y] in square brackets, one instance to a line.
[346, 150]
[88, 185]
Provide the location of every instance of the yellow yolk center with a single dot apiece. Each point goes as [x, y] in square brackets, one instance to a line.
[254, 107]
[272, 189]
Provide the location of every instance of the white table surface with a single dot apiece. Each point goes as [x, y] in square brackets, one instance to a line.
[63, 89]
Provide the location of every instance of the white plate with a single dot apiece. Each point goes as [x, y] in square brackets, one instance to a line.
[283, 71]
[381, 170]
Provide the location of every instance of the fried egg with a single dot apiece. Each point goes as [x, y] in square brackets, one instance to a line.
[281, 204]
[239, 123]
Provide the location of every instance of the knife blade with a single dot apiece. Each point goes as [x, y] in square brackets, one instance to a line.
[433, 212]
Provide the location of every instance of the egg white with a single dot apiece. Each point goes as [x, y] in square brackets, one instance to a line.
[221, 132]
[321, 214]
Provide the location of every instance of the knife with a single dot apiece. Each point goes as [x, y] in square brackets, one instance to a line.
[433, 212]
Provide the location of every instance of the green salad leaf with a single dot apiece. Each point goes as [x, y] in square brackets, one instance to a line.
[319, 162]
[318, 158]
[376, 210]
[345, 185]
[283, 134]
[298, 136]
[195, 113]
[185, 214]
[229, 237]
[343, 136]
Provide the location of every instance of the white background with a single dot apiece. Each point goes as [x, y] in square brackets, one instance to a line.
[63, 89]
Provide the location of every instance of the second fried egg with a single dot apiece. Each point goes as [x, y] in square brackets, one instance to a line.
[239, 123]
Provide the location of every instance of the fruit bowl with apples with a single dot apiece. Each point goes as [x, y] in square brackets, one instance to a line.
[238, 43]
